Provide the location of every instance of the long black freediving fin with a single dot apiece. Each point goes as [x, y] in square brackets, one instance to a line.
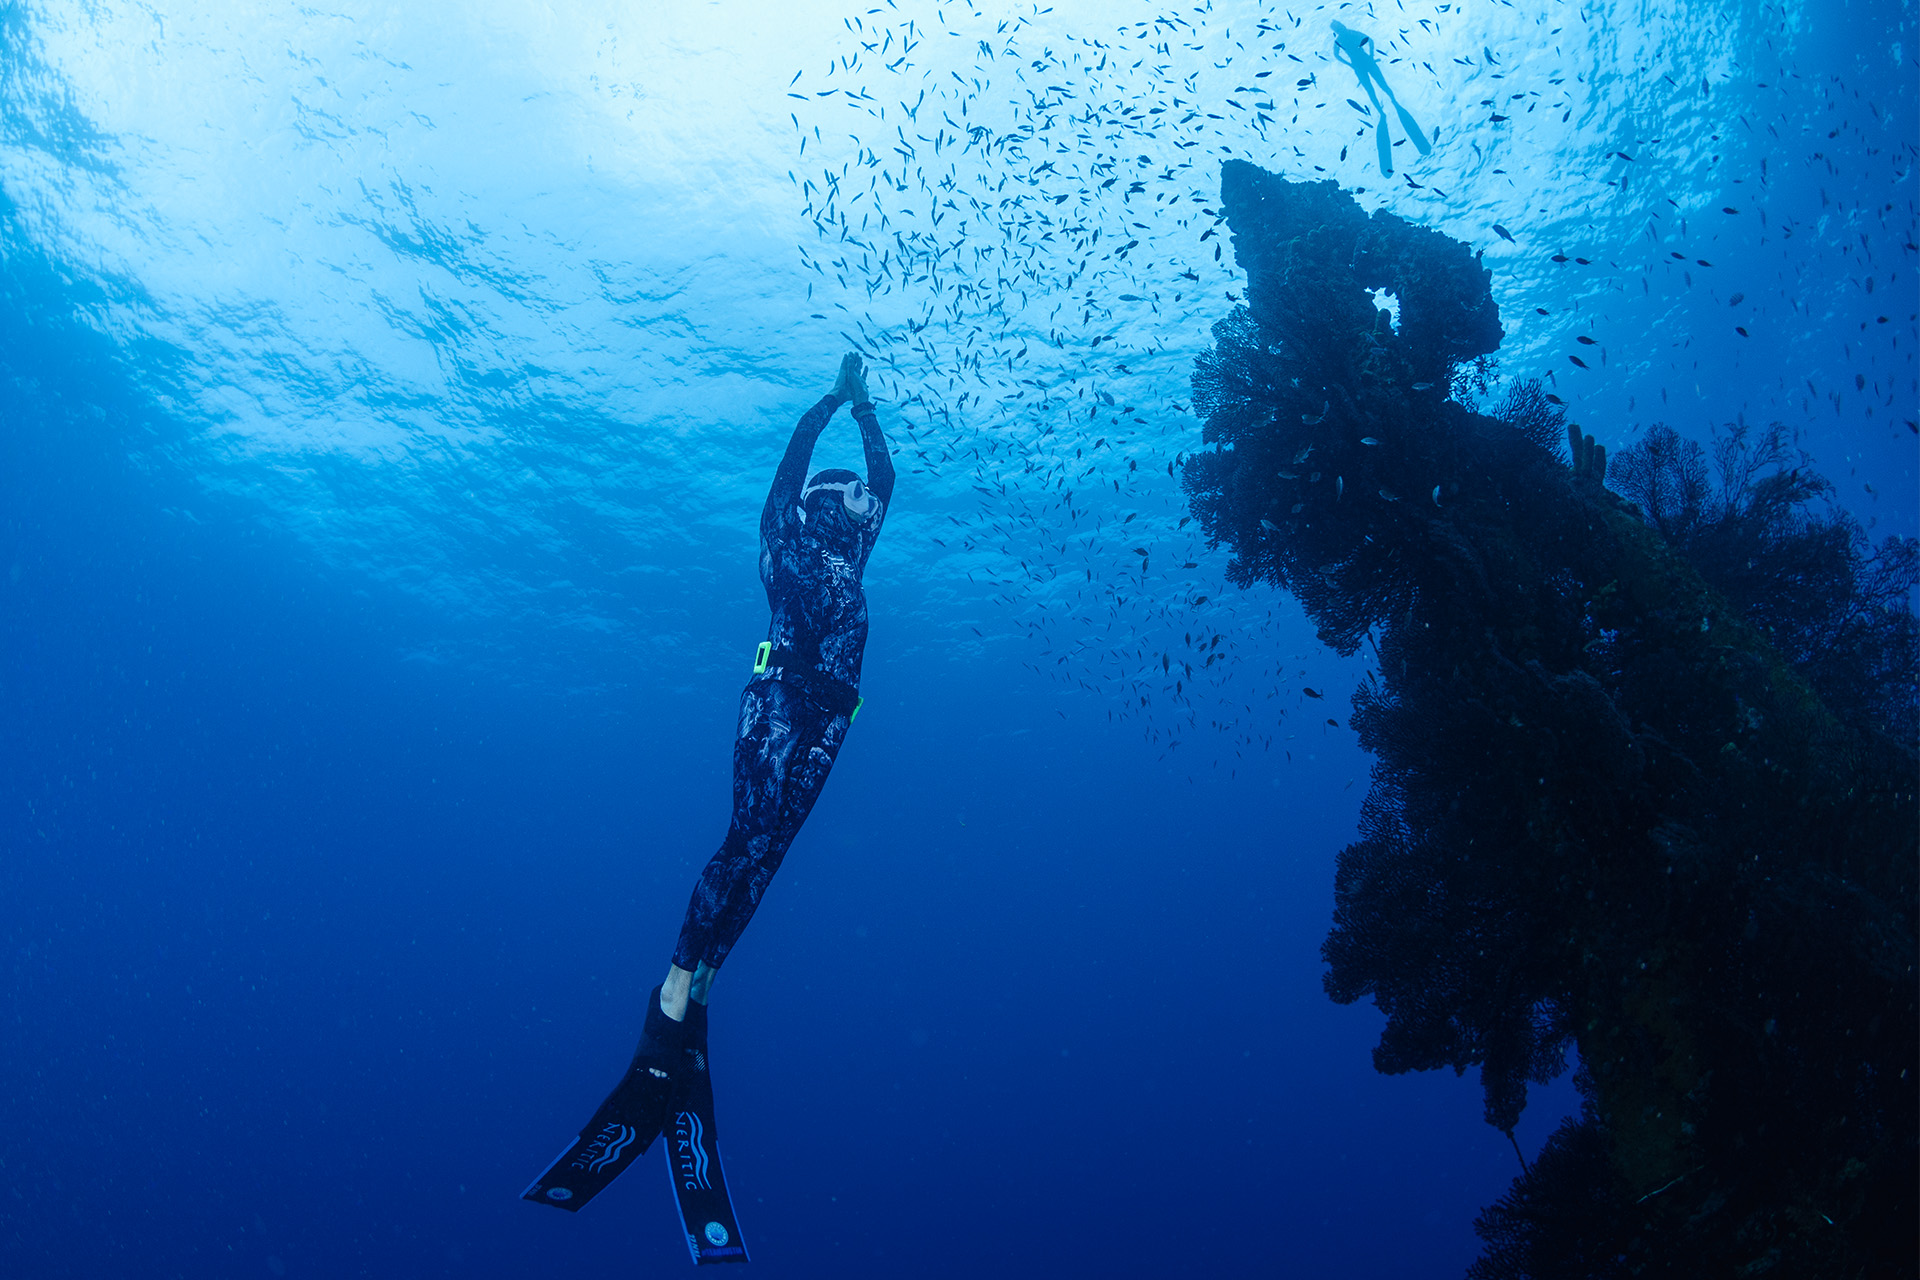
[693, 1156]
[601, 1153]
[625, 1125]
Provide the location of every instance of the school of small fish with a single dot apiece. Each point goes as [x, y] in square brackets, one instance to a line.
[1018, 227]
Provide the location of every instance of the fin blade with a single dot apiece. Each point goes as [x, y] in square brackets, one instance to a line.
[610, 1142]
[699, 1178]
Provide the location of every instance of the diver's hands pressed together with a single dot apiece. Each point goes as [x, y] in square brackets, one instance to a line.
[851, 385]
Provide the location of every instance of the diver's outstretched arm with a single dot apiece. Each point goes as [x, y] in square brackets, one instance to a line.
[791, 476]
[879, 460]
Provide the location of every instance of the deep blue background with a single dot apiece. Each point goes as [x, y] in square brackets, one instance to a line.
[319, 942]
[316, 955]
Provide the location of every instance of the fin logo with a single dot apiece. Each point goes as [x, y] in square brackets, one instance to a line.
[690, 1154]
[716, 1234]
[607, 1146]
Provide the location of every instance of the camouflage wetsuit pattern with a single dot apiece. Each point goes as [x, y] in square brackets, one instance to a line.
[811, 563]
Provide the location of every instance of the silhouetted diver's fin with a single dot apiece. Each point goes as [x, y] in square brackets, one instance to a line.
[1413, 129]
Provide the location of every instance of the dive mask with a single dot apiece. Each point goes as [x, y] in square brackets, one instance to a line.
[860, 504]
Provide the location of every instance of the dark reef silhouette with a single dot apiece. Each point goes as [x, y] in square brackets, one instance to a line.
[1645, 770]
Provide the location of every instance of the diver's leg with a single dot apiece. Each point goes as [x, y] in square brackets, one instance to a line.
[776, 784]
[776, 810]
[1407, 121]
[1367, 71]
[1371, 73]
[785, 749]
[758, 749]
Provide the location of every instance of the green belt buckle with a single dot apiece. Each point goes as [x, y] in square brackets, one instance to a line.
[857, 704]
[761, 657]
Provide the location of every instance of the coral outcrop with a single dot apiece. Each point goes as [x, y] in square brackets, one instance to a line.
[1631, 797]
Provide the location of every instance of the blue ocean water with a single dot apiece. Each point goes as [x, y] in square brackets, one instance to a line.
[389, 401]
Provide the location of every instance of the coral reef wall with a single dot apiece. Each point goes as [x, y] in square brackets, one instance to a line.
[1609, 811]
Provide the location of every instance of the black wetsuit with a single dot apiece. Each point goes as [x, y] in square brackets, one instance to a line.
[792, 721]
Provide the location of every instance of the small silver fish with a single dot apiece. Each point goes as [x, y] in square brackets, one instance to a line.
[1436, 495]
[1423, 386]
[1324, 406]
[1368, 440]
[1288, 475]
[1268, 524]
[1390, 497]
[1339, 487]
[1301, 456]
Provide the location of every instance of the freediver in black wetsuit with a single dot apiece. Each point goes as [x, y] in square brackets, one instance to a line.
[815, 537]
[814, 544]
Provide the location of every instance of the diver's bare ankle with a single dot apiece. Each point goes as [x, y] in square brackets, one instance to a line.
[673, 993]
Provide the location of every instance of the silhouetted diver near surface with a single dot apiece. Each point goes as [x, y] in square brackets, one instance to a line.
[1354, 45]
[815, 538]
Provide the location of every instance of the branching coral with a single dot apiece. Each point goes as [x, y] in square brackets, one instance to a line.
[1834, 604]
[1611, 807]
